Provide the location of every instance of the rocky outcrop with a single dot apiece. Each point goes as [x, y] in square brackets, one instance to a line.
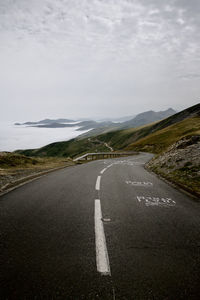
[180, 164]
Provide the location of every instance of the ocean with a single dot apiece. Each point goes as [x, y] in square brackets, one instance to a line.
[13, 137]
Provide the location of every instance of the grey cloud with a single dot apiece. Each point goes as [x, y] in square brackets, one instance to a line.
[94, 52]
[190, 76]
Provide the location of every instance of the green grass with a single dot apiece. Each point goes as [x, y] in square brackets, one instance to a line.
[16, 161]
[122, 138]
[16, 168]
[186, 177]
[159, 141]
[70, 148]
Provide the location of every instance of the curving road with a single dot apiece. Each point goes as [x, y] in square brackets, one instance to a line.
[103, 230]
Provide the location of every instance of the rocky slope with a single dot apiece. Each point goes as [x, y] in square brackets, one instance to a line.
[180, 164]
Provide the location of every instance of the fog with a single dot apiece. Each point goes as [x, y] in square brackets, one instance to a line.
[21, 137]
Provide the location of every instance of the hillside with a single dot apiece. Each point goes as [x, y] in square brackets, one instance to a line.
[175, 141]
[141, 119]
[180, 163]
[95, 128]
[128, 138]
[160, 140]
[70, 148]
[148, 117]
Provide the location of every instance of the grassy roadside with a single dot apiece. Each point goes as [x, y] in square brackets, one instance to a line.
[16, 168]
[180, 179]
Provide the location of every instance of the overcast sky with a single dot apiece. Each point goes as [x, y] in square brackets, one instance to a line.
[97, 58]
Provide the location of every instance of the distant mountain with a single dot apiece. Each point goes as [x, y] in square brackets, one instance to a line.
[139, 120]
[82, 126]
[47, 121]
[86, 125]
[96, 128]
[157, 137]
[124, 119]
[148, 117]
[119, 139]
[54, 125]
[117, 120]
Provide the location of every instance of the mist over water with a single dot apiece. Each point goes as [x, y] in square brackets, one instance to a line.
[14, 137]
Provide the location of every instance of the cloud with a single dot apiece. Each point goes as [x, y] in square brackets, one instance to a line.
[190, 76]
[92, 52]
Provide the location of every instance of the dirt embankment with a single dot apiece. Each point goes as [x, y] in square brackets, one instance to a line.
[180, 164]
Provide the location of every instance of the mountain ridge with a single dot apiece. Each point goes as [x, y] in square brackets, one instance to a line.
[97, 127]
[148, 117]
[119, 139]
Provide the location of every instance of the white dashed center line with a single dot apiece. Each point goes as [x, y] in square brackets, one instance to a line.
[103, 170]
[98, 183]
[102, 259]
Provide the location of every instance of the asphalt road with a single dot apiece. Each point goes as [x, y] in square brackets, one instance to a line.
[145, 246]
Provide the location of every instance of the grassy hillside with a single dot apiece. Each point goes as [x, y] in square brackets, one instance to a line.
[154, 137]
[135, 122]
[123, 138]
[70, 148]
[117, 139]
[160, 140]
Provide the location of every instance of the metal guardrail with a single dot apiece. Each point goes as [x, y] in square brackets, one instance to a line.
[102, 155]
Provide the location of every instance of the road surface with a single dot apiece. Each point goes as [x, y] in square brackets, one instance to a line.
[103, 230]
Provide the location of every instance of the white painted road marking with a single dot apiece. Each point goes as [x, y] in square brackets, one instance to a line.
[98, 183]
[102, 171]
[110, 166]
[129, 163]
[156, 201]
[102, 259]
[139, 183]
